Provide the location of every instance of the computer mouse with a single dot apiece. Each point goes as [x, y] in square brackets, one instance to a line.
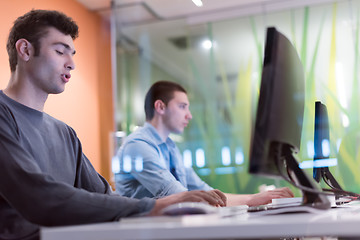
[188, 208]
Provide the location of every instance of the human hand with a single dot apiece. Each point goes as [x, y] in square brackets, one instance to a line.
[213, 197]
[217, 193]
[266, 197]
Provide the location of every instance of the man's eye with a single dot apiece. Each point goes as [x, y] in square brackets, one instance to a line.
[59, 52]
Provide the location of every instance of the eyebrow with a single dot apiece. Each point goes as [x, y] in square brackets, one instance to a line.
[67, 46]
[184, 103]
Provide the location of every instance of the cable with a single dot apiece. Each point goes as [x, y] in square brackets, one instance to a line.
[289, 179]
[334, 191]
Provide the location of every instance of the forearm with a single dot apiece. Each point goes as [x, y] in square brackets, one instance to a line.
[258, 198]
[238, 199]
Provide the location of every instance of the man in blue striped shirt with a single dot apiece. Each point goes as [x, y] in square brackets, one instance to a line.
[162, 172]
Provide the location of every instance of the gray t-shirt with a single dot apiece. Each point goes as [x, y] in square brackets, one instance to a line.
[46, 180]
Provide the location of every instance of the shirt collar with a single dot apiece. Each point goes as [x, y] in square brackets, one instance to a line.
[157, 137]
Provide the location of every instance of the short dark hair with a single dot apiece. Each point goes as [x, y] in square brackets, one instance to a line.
[161, 90]
[34, 25]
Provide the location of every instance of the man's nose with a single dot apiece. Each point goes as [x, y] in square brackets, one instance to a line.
[189, 116]
[70, 64]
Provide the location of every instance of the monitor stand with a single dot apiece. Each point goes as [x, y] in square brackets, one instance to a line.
[313, 199]
[330, 180]
[335, 188]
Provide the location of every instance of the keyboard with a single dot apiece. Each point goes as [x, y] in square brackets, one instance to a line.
[191, 208]
[270, 209]
[345, 200]
[233, 210]
[287, 205]
[283, 202]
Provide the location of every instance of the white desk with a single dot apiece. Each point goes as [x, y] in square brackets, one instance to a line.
[343, 222]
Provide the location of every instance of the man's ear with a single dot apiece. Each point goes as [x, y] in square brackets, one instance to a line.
[24, 49]
[159, 106]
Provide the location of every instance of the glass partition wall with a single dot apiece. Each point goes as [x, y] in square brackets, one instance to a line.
[219, 62]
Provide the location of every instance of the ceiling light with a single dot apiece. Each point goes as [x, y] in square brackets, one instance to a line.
[207, 44]
[198, 3]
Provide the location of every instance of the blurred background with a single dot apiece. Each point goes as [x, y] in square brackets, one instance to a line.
[216, 51]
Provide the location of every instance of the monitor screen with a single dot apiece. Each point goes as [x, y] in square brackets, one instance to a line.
[281, 104]
[321, 137]
[322, 147]
[278, 125]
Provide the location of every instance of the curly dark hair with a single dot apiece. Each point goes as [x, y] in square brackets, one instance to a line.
[33, 26]
[161, 90]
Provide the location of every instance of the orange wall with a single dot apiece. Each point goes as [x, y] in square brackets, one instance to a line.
[89, 91]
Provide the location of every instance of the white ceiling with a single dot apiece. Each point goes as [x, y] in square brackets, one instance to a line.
[171, 8]
[134, 12]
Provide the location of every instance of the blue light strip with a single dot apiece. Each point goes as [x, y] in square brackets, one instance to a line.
[225, 170]
[204, 171]
[220, 170]
[330, 162]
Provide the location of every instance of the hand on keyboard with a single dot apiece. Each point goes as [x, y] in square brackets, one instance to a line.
[266, 197]
[233, 210]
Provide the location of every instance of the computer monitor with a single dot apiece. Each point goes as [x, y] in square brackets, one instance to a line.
[322, 147]
[278, 125]
[322, 142]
